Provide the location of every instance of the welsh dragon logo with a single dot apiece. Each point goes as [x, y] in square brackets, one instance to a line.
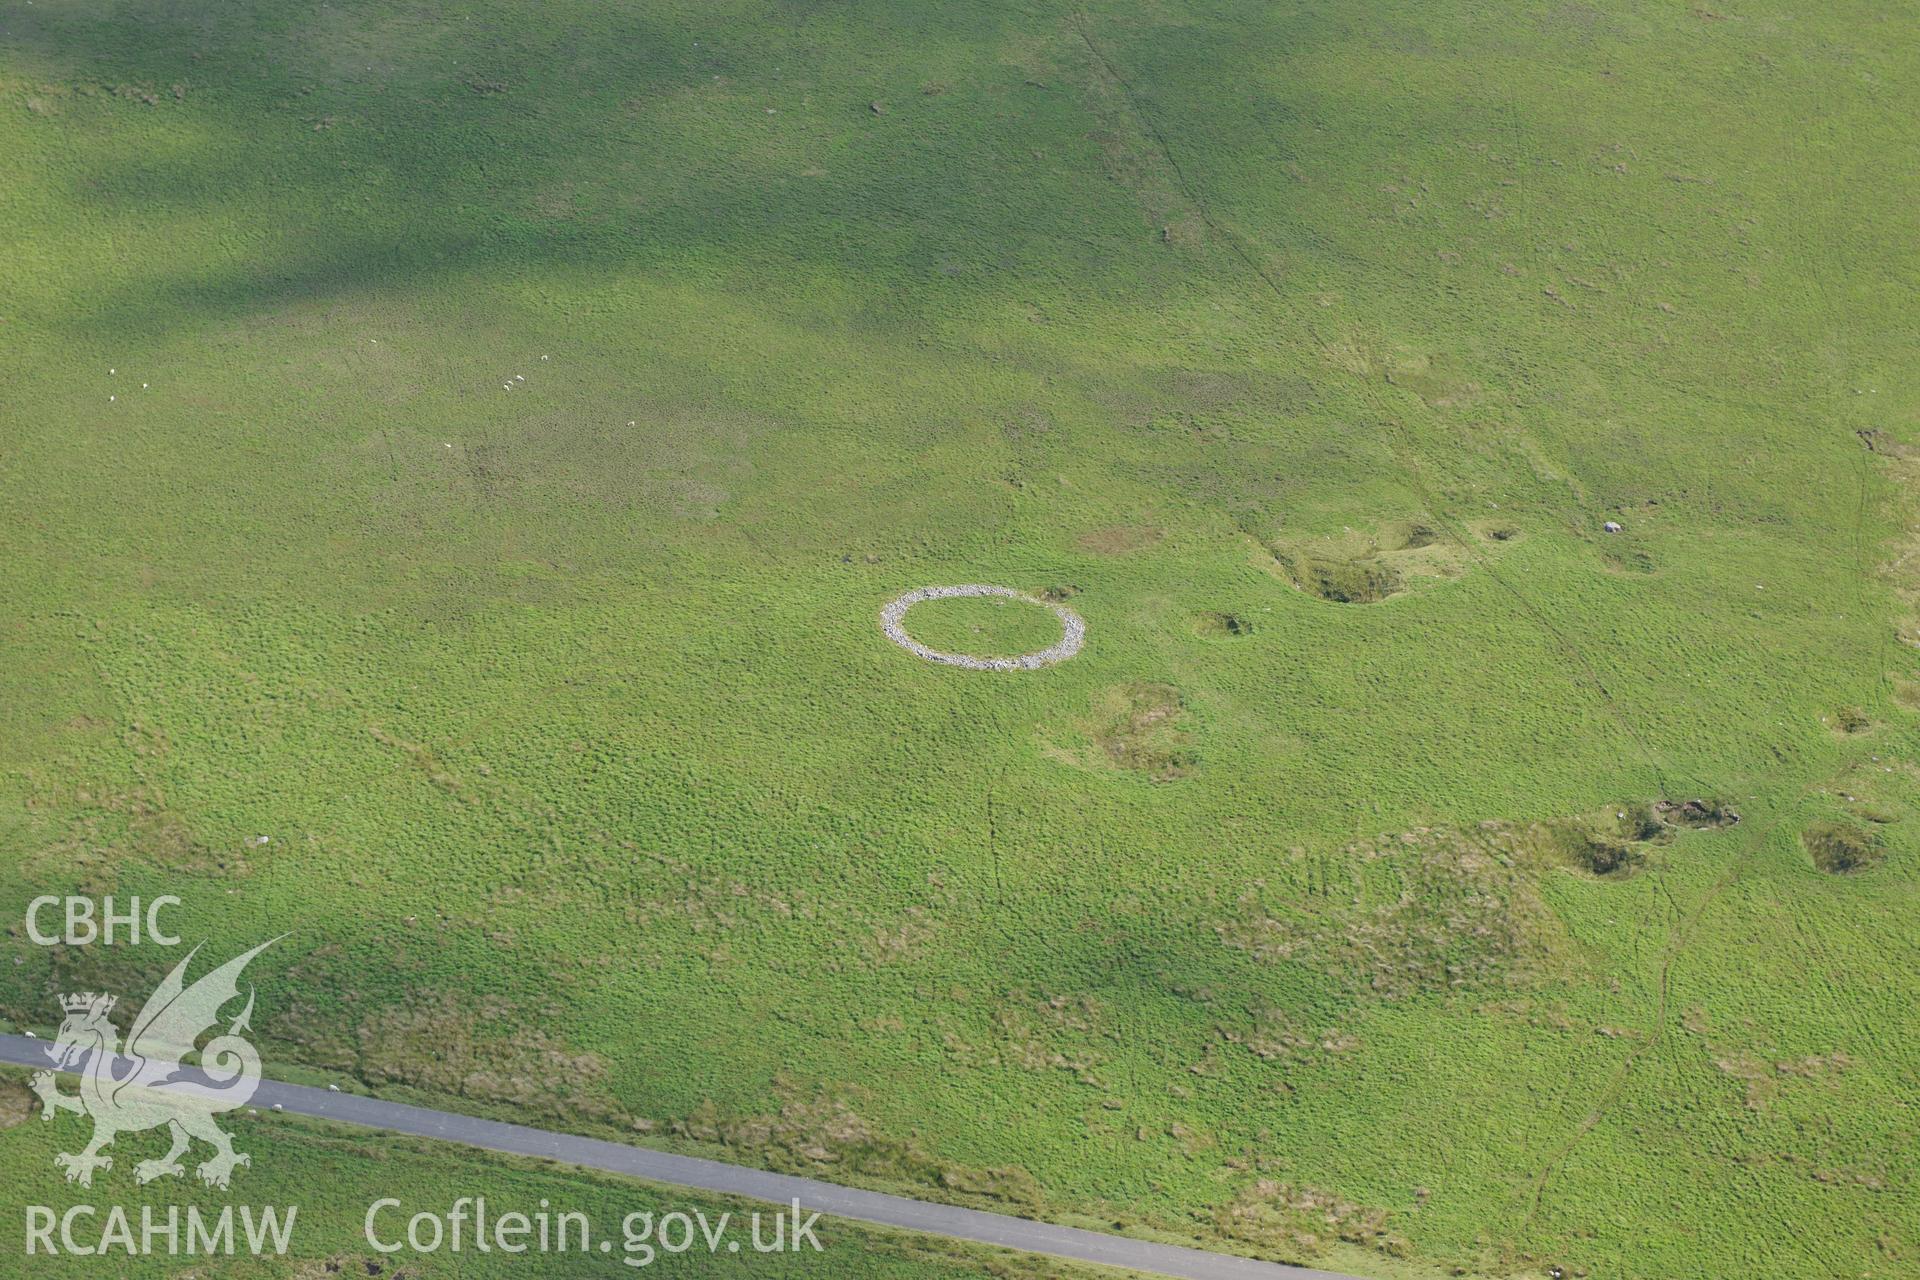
[144, 1086]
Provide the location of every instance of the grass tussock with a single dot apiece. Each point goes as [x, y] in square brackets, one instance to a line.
[1365, 581]
[1144, 727]
[824, 1134]
[1841, 848]
[1433, 910]
[1291, 1221]
[500, 528]
[16, 1103]
[1367, 566]
[1230, 626]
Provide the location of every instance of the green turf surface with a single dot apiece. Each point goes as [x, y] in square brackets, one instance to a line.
[983, 626]
[353, 1196]
[1310, 346]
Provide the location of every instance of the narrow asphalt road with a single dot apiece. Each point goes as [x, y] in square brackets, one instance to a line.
[1002, 1230]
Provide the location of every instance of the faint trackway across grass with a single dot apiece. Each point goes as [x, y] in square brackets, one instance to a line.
[950, 1221]
[1683, 929]
[1678, 939]
[1407, 452]
[1684, 926]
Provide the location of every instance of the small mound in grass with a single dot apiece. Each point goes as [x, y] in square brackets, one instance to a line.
[1600, 853]
[1840, 848]
[1363, 581]
[16, 1104]
[1414, 535]
[1696, 815]
[1627, 560]
[1232, 625]
[1118, 539]
[1142, 727]
[1363, 565]
[1612, 844]
[1849, 721]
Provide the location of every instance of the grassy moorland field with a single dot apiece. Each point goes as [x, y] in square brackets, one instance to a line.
[470, 444]
[332, 1175]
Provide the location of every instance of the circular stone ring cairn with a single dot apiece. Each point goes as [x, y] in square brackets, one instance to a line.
[1073, 629]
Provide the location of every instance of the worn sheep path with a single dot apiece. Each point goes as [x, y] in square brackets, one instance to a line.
[972, 1225]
